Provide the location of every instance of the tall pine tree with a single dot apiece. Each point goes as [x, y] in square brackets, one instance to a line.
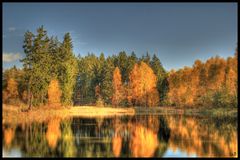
[159, 71]
[67, 70]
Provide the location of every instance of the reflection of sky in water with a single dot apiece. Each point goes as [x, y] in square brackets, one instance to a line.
[177, 153]
[14, 152]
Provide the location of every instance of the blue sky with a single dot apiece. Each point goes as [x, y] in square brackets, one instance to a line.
[178, 153]
[178, 33]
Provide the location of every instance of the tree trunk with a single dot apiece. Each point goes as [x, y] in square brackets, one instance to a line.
[30, 103]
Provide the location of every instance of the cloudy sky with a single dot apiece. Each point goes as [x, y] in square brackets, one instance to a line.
[177, 33]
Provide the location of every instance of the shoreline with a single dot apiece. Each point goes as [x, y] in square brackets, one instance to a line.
[14, 114]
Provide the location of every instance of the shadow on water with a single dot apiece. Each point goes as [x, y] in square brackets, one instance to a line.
[127, 136]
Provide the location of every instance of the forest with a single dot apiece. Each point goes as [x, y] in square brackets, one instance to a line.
[52, 75]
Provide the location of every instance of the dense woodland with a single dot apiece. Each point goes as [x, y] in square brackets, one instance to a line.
[53, 75]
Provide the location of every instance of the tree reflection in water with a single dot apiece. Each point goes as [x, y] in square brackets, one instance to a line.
[129, 136]
[117, 138]
[143, 141]
[67, 147]
[9, 133]
[53, 132]
[202, 136]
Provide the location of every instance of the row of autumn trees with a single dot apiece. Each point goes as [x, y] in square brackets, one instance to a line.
[120, 80]
[211, 83]
[52, 74]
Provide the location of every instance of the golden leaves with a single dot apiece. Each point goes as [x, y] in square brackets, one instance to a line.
[142, 84]
[54, 92]
[117, 87]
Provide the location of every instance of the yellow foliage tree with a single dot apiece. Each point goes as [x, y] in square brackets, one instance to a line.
[54, 93]
[231, 75]
[117, 87]
[204, 82]
[12, 88]
[216, 73]
[143, 85]
[11, 92]
[5, 96]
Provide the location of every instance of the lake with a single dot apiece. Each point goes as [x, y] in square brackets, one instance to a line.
[123, 136]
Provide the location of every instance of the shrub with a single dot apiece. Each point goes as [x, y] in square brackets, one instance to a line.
[100, 102]
[224, 99]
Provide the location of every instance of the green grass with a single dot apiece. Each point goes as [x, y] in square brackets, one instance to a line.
[217, 112]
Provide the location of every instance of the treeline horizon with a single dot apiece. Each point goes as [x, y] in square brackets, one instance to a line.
[53, 75]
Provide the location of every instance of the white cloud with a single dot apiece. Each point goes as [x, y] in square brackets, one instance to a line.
[11, 29]
[9, 57]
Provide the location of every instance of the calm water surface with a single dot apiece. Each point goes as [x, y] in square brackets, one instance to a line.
[127, 136]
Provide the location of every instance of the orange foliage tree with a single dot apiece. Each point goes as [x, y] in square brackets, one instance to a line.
[117, 87]
[231, 75]
[142, 85]
[182, 87]
[216, 73]
[11, 92]
[5, 96]
[99, 99]
[54, 93]
[213, 82]
[12, 88]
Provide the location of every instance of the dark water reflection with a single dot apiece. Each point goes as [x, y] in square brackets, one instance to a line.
[129, 136]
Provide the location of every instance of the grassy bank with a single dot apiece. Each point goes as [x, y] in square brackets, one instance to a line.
[15, 114]
[220, 112]
[193, 111]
